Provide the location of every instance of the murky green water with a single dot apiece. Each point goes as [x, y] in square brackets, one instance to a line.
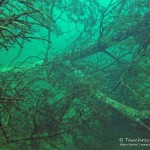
[74, 75]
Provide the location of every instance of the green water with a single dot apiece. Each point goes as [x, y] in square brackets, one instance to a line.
[74, 75]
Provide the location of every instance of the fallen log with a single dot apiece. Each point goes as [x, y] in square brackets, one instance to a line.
[133, 114]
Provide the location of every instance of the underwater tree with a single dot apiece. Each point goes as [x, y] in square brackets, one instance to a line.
[106, 70]
[20, 19]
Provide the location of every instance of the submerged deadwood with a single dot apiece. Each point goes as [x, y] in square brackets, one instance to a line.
[137, 116]
[54, 96]
[19, 21]
[131, 113]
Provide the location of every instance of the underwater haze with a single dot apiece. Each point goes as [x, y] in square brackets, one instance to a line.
[74, 75]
